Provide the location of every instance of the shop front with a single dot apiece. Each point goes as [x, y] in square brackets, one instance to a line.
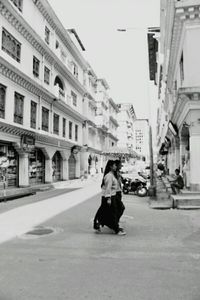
[36, 167]
[9, 161]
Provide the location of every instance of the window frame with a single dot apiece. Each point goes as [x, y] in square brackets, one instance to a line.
[76, 132]
[33, 121]
[2, 101]
[47, 35]
[70, 130]
[64, 128]
[18, 108]
[36, 66]
[74, 98]
[56, 120]
[8, 43]
[46, 72]
[45, 127]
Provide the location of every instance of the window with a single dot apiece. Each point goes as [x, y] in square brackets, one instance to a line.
[76, 132]
[36, 66]
[46, 75]
[19, 107]
[70, 130]
[57, 44]
[45, 119]
[55, 124]
[2, 100]
[10, 45]
[47, 35]
[181, 68]
[33, 114]
[18, 4]
[75, 69]
[74, 98]
[64, 127]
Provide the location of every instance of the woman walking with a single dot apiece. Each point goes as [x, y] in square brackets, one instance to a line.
[120, 204]
[107, 213]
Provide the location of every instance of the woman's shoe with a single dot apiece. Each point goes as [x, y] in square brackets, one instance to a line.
[121, 231]
[96, 226]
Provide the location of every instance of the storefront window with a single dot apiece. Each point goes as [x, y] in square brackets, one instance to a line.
[9, 166]
[36, 167]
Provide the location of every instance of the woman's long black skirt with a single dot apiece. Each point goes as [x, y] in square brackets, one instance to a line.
[107, 214]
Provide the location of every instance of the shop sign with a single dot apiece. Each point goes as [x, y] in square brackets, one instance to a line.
[27, 143]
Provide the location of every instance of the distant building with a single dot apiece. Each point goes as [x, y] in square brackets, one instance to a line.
[126, 117]
[141, 137]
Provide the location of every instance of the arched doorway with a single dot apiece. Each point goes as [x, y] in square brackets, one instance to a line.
[59, 82]
[72, 167]
[36, 167]
[57, 166]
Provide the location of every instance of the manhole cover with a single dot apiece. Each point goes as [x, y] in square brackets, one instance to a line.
[40, 231]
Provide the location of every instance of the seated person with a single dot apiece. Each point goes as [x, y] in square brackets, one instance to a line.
[178, 183]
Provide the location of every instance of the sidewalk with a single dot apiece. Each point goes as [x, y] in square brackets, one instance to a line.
[24, 218]
[14, 193]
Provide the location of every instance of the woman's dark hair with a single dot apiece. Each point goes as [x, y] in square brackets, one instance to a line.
[107, 169]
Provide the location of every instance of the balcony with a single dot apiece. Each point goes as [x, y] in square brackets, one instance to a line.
[59, 93]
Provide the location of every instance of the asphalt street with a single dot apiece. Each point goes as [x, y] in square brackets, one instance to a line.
[157, 259]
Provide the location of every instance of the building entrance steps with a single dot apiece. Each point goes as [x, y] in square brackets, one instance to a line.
[186, 201]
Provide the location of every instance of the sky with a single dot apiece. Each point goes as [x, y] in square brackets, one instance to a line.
[119, 57]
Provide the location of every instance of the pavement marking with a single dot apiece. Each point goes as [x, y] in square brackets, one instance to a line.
[22, 219]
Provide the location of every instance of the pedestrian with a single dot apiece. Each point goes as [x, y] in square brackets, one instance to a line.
[107, 214]
[120, 204]
[178, 183]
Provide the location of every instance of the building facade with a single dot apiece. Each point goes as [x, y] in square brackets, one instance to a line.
[179, 105]
[126, 118]
[141, 138]
[55, 114]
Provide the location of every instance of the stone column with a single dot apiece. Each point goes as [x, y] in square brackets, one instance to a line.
[23, 170]
[177, 153]
[78, 167]
[84, 162]
[65, 170]
[195, 157]
[48, 170]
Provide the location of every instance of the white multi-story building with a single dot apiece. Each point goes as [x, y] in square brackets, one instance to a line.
[179, 88]
[41, 95]
[126, 118]
[141, 138]
[55, 115]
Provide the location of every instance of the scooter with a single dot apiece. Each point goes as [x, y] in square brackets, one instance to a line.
[137, 186]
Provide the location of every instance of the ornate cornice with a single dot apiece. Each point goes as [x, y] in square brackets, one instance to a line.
[14, 130]
[188, 99]
[39, 138]
[32, 37]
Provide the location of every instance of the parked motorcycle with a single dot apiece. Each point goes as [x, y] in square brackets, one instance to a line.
[138, 186]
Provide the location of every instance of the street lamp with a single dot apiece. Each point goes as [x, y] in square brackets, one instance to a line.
[155, 32]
